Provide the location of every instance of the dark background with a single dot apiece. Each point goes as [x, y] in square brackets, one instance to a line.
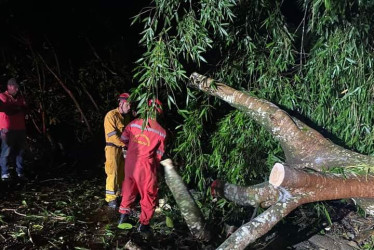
[69, 25]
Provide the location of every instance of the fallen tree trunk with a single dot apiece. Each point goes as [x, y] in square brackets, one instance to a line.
[130, 245]
[186, 203]
[302, 145]
[312, 187]
[290, 185]
[258, 226]
[261, 194]
[298, 187]
[321, 186]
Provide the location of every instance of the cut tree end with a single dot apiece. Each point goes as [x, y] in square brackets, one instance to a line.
[167, 163]
[277, 175]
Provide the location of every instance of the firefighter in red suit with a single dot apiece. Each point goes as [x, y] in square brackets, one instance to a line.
[145, 149]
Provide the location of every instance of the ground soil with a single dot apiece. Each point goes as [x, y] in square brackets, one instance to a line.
[63, 207]
[68, 211]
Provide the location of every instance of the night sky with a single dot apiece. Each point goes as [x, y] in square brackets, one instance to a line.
[67, 25]
[66, 28]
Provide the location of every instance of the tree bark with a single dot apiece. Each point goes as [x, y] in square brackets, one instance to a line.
[303, 146]
[318, 187]
[366, 204]
[258, 226]
[262, 194]
[186, 203]
[298, 187]
[289, 185]
[130, 245]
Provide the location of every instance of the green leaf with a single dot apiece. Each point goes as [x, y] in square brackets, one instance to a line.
[125, 226]
[327, 4]
[169, 222]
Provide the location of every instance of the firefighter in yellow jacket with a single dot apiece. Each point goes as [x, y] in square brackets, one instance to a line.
[114, 123]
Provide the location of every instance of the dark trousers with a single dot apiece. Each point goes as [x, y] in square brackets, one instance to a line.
[13, 144]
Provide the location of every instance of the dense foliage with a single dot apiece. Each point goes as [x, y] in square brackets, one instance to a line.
[313, 58]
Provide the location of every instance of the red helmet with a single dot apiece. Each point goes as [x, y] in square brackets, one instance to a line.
[157, 104]
[123, 97]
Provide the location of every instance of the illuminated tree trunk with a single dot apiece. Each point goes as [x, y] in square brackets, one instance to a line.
[303, 146]
[289, 184]
[261, 194]
[186, 203]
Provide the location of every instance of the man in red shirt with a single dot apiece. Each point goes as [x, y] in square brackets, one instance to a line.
[13, 129]
[145, 149]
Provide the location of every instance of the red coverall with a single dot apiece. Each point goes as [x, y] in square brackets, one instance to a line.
[12, 131]
[145, 149]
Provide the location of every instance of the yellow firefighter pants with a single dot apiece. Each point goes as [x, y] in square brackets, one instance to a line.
[114, 169]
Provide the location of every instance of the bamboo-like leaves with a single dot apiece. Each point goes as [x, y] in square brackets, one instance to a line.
[320, 68]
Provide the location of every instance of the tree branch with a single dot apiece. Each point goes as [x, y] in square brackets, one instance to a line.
[258, 226]
[318, 187]
[67, 90]
[302, 147]
[190, 212]
[297, 187]
[261, 194]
